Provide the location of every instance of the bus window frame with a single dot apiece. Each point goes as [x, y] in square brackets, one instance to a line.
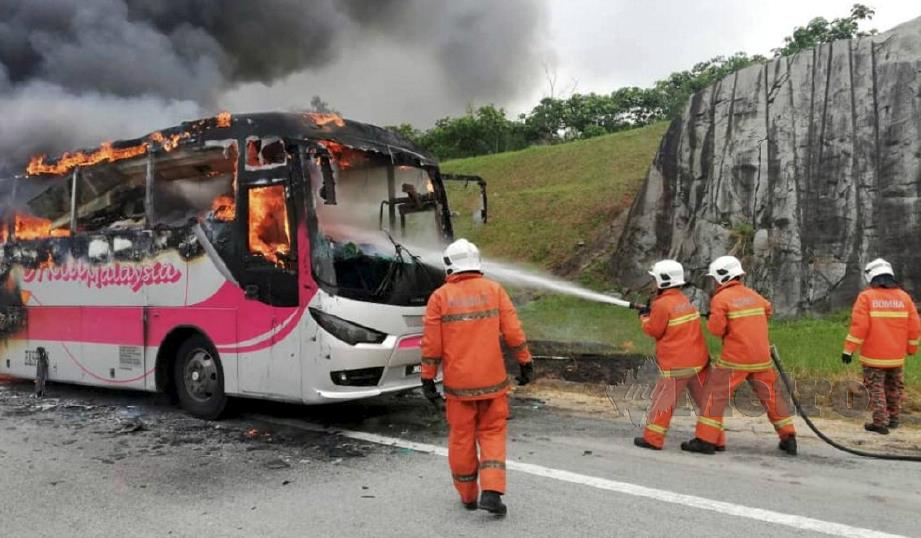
[253, 261]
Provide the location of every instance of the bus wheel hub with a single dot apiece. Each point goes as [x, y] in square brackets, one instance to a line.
[201, 375]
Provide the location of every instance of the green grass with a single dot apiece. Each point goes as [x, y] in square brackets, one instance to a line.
[544, 201]
[808, 347]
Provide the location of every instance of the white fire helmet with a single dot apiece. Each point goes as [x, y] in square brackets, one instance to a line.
[668, 274]
[725, 268]
[877, 267]
[460, 256]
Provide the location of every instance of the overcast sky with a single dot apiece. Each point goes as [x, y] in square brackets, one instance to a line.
[76, 72]
[591, 45]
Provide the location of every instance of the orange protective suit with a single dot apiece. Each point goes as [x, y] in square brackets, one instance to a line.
[464, 321]
[884, 326]
[682, 357]
[739, 316]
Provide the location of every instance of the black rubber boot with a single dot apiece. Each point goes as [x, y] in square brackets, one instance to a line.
[491, 501]
[880, 429]
[698, 445]
[720, 448]
[788, 445]
[894, 423]
[643, 443]
[472, 505]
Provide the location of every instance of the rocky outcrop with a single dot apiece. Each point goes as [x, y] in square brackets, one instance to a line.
[807, 167]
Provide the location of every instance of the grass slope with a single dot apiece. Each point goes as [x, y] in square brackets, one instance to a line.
[545, 200]
[809, 347]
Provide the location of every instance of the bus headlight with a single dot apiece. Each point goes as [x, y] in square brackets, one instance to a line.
[347, 331]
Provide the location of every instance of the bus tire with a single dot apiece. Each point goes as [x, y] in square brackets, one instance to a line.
[199, 378]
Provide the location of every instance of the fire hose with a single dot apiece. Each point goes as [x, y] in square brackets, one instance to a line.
[802, 413]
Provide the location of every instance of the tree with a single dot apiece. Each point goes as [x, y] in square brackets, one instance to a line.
[679, 86]
[480, 131]
[819, 31]
[407, 131]
[546, 121]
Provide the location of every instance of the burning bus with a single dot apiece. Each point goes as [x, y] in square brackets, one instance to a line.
[254, 255]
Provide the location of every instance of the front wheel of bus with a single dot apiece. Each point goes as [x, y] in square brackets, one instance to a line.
[200, 379]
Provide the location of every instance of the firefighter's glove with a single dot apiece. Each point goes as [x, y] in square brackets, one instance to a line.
[644, 310]
[430, 392]
[846, 358]
[527, 373]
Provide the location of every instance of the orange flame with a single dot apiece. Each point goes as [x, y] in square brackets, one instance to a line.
[321, 119]
[223, 119]
[224, 208]
[337, 151]
[28, 227]
[269, 234]
[105, 153]
[171, 143]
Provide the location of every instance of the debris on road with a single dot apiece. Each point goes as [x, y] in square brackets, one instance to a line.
[131, 426]
[277, 463]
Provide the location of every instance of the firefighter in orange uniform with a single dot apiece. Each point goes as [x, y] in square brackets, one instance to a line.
[739, 316]
[681, 352]
[464, 321]
[885, 328]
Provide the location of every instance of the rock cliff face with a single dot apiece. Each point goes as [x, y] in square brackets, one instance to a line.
[807, 167]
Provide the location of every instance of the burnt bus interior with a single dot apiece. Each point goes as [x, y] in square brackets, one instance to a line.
[237, 195]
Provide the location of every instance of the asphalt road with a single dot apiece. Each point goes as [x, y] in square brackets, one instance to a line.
[97, 463]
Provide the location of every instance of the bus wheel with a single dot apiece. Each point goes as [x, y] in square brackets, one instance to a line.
[200, 379]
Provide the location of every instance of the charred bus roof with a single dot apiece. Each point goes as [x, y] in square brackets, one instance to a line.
[297, 126]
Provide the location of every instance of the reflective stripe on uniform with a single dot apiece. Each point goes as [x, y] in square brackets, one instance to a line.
[430, 361]
[476, 391]
[888, 314]
[912, 342]
[746, 313]
[681, 372]
[783, 422]
[465, 477]
[656, 428]
[492, 464]
[467, 316]
[757, 367]
[854, 339]
[882, 363]
[684, 319]
[710, 422]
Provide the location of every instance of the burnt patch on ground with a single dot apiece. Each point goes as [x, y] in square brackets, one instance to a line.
[580, 362]
[110, 427]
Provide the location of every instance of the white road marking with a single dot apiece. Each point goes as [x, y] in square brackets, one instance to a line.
[702, 503]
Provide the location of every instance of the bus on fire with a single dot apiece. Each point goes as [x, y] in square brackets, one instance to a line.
[255, 256]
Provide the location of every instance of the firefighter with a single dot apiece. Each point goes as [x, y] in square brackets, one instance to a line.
[464, 321]
[681, 352]
[884, 328]
[739, 316]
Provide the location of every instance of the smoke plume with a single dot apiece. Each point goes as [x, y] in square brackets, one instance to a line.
[76, 72]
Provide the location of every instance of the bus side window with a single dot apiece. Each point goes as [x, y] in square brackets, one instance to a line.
[265, 153]
[268, 227]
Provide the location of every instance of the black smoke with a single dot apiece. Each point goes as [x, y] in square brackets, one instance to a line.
[75, 72]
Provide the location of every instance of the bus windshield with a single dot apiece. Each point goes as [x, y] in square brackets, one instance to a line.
[369, 219]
